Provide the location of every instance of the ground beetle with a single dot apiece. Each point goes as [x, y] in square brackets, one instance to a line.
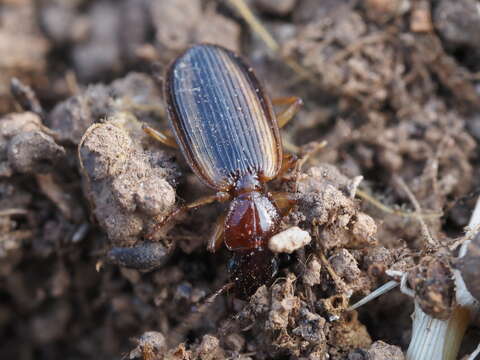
[224, 124]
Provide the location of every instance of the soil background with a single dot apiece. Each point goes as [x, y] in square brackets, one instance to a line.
[393, 86]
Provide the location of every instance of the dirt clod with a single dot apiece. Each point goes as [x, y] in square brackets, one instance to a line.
[382, 351]
[34, 152]
[118, 173]
[150, 346]
[283, 304]
[209, 349]
[458, 22]
[312, 273]
[351, 332]
[345, 265]
[26, 147]
[433, 283]
[324, 201]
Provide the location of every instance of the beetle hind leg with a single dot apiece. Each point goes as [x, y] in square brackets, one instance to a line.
[160, 136]
[293, 103]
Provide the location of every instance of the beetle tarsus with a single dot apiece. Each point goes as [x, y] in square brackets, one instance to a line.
[294, 104]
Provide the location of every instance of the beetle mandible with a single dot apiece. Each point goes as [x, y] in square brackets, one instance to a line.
[224, 124]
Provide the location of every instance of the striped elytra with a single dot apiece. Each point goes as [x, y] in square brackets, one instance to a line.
[221, 118]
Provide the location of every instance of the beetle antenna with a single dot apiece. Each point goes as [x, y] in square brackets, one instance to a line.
[178, 334]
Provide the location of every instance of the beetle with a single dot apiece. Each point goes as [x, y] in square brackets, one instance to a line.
[224, 124]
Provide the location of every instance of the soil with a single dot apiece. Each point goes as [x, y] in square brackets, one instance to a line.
[392, 86]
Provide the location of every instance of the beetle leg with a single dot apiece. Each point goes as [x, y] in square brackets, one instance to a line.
[285, 201]
[289, 162]
[160, 136]
[298, 164]
[294, 103]
[198, 203]
[216, 239]
[309, 152]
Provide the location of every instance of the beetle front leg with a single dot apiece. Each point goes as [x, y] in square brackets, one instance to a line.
[294, 104]
[160, 136]
[196, 204]
[292, 164]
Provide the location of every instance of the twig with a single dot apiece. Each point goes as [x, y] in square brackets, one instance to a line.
[255, 24]
[357, 45]
[56, 194]
[374, 294]
[26, 97]
[426, 234]
[13, 211]
[80, 144]
[339, 283]
[268, 39]
[369, 198]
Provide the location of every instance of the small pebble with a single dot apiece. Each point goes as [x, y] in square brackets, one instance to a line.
[289, 240]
